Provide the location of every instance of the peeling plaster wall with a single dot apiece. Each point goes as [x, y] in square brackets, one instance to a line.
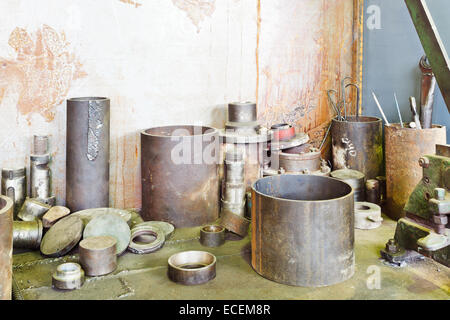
[160, 63]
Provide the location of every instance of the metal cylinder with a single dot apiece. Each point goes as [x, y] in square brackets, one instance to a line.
[6, 247]
[354, 178]
[87, 153]
[40, 176]
[382, 181]
[234, 193]
[303, 230]
[14, 185]
[373, 191]
[192, 267]
[98, 255]
[180, 182]
[27, 234]
[212, 236]
[358, 145]
[404, 148]
[68, 276]
[242, 111]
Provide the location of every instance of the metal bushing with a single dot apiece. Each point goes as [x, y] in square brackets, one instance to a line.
[192, 267]
[235, 223]
[62, 237]
[165, 227]
[212, 236]
[27, 234]
[32, 209]
[14, 185]
[98, 255]
[146, 230]
[68, 276]
[367, 215]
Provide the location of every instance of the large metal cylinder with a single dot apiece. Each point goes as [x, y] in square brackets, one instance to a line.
[180, 182]
[303, 230]
[87, 153]
[404, 147]
[6, 246]
[358, 144]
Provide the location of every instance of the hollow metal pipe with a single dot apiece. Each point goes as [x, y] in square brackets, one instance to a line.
[27, 234]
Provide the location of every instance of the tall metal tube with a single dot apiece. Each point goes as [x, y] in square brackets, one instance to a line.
[87, 153]
[180, 182]
[234, 193]
[6, 247]
[14, 185]
[303, 230]
[39, 170]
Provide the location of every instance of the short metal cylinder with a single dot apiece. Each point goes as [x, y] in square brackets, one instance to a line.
[358, 145]
[87, 153]
[14, 185]
[6, 247]
[242, 111]
[373, 191]
[192, 267]
[27, 234]
[68, 276]
[404, 148]
[98, 255]
[303, 230]
[212, 236]
[180, 181]
[354, 178]
[40, 176]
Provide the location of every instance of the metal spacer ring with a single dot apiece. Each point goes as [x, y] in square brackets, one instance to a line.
[147, 247]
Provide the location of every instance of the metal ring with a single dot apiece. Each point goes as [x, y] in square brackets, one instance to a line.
[147, 247]
[68, 276]
[212, 236]
[192, 267]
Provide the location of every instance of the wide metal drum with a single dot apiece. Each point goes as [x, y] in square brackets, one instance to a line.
[180, 181]
[303, 230]
[6, 246]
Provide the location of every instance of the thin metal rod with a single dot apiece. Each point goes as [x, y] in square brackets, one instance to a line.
[398, 110]
[379, 108]
[326, 135]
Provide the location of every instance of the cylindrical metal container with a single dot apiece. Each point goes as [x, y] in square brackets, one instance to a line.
[98, 255]
[180, 181]
[27, 234]
[303, 230]
[87, 153]
[358, 145]
[404, 147]
[6, 247]
[354, 178]
[14, 185]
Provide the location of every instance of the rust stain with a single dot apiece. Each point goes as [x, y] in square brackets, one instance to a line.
[131, 2]
[258, 31]
[42, 71]
[196, 10]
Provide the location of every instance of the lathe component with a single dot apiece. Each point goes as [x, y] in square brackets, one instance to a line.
[367, 215]
[68, 276]
[87, 153]
[33, 209]
[180, 182]
[242, 117]
[89, 214]
[373, 191]
[98, 255]
[283, 132]
[27, 234]
[234, 223]
[109, 225]
[6, 246]
[166, 227]
[53, 215]
[192, 267]
[62, 237]
[234, 194]
[212, 236]
[148, 247]
[14, 185]
[303, 230]
[39, 170]
[354, 178]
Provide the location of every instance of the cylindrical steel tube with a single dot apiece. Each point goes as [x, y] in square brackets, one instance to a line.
[234, 195]
[98, 255]
[87, 153]
[6, 247]
[354, 178]
[212, 236]
[192, 267]
[14, 185]
[180, 182]
[303, 230]
[404, 147]
[357, 144]
[373, 191]
[27, 234]
[242, 111]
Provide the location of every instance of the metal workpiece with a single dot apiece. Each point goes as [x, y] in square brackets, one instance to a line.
[367, 215]
[354, 178]
[235, 223]
[357, 144]
[372, 189]
[32, 209]
[146, 245]
[68, 276]
[27, 234]
[62, 237]
[98, 255]
[212, 236]
[303, 230]
[298, 140]
[53, 215]
[242, 112]
[180, 178]
[404, 147]
[40, 176]
[282, 131]
[87, 153]
[234, 194]
[6, 246]
[89, 214]
[14, 185]
[427, 88]
[192, 267]
[167, 228]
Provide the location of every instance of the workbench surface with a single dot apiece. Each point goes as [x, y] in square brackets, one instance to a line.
[145, 276]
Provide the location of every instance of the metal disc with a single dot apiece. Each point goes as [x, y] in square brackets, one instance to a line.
[88, 214]
[166, 227]
[109, 225]
[62, 237]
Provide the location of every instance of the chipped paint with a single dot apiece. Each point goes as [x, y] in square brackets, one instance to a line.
[196, 10]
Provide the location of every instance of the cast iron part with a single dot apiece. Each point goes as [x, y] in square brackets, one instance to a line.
[234, 194]
[87, 153]
[14, 185]
[6, 246]
[283, 131]
[27, 234]
[212, 236]
[180, 181]
[40, 175]
[68, 276]
[98, 255]
[354, 178]
[303, 230]
[367, 215]
[146, 230]
[192, 267]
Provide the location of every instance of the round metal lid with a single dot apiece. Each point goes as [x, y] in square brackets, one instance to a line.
[62, 237]
[89, 214]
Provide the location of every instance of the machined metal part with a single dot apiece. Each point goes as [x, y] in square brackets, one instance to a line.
[32, 209]
[427, 88]
[167, 228]
[234, 223]
[14, 185]
[367, 215]
[212, 236]
[303, 230]
[87, 150]
[242, 118]
[27, 234]
[373, 191]
[40, 176]
[6, 246]
[109, 225]
[354, 178]
[283, 131]
[357, 144]
[180, 180]
[62, 237]
[98, 255]
[152, 246]
[192, 267]
[234, 194]
[89, 214]
[68, 276]
[53, 215]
